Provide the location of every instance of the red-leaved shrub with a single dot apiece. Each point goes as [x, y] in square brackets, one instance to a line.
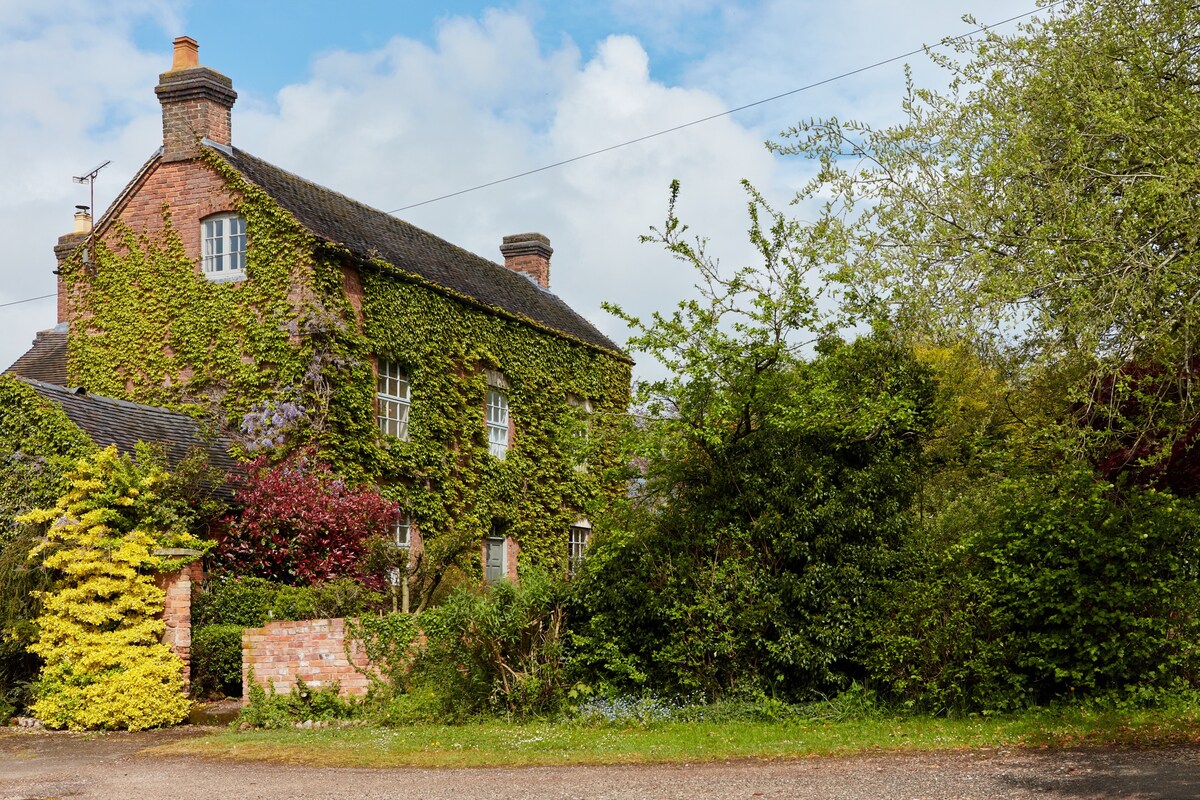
[301, 524]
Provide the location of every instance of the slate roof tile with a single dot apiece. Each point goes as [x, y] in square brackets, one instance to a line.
[46, 360]
[109, 421]
[370, 233]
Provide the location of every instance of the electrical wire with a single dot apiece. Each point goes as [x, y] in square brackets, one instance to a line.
[28, 300]
[664, 132]
[711, 117]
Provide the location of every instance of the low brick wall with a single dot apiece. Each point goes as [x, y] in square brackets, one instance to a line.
[312, 650]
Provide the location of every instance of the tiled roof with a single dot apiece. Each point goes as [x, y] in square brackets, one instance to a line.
[370, 233]
[108, 421]
[46, 360]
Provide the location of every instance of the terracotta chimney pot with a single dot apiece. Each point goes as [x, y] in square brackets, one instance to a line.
[187, 53]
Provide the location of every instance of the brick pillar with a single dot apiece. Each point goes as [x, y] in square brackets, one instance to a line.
[177, 606]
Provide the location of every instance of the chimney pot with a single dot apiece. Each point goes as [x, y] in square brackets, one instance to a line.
[529, 254]
[83, 222]
[187, 53]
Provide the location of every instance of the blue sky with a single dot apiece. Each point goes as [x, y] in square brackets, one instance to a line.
[397, 102]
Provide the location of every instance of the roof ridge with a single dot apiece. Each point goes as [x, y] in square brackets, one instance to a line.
[393, 219]
[369, 234]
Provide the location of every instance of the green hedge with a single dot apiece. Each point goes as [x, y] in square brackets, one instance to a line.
[217, 660]
[222, 607]
[253, 602]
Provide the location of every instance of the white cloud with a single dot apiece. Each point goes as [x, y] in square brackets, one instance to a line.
[409, 123]
[411, 120]
[74, 91]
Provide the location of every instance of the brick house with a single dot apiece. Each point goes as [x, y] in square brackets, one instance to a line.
[219, 283]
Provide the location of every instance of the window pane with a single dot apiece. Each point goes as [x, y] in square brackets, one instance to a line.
[223, 247]
[497, 423]
[392, 391]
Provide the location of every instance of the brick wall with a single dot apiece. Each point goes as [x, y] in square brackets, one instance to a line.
[313, 650]
[177, 612]
[192, 189]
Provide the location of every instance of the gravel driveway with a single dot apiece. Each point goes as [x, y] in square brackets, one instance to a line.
[59, 765]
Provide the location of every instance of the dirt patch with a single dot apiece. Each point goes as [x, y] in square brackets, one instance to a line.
[36, 764]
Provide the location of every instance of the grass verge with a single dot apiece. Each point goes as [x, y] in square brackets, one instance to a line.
[498, 743]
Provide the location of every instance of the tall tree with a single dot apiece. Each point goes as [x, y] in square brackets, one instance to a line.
[1045, 205]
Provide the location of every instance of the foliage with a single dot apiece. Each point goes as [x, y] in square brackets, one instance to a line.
[21, 586]
[225, 599]
[776, 488]
[286, 358]
[390, 642]
[225, 604]
[1044, 206]
[303, 703]
[498, 650]
[38, 444]
[216, 660]
[1055, 586]
[301, 524]
[98, 633]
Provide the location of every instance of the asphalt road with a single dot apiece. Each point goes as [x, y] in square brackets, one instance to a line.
[58, 765]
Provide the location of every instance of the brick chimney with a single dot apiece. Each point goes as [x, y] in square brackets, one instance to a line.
[528, 253]
[196, 103]
[67, 245]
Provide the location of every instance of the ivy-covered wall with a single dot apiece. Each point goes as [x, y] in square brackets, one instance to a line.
[147, 326]
[38, 445]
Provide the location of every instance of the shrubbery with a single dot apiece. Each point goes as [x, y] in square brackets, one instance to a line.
[1054, 586]
[301, 524]
[225, 604]
[99, 629]
[216, 660]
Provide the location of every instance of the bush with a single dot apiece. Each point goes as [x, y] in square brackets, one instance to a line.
[268, 709]
[253, 602]
[21, 582]
[389, 642]
[98, 633]
[499, 650]
[217, 660]
[765, 523]
[1058, 587]
[301, 524]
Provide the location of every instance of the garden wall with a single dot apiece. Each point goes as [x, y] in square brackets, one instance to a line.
[313, 650]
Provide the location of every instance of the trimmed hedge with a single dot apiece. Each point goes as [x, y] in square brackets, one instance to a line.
[217, 660]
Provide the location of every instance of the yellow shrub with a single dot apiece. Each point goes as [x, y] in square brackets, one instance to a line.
[99, 632]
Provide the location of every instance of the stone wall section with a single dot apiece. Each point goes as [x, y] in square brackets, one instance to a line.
[312, 650]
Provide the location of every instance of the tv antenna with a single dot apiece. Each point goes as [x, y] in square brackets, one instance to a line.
[90, 179]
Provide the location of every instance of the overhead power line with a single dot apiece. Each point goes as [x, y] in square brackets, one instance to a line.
[711, 117]
[665, 131]
[27, 300]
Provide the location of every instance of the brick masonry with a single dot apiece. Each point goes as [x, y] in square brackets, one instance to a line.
[177, 612]
[312, 650]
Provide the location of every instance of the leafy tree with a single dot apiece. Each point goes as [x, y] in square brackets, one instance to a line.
[1052, 586]
[1044, 206]
[776, 486]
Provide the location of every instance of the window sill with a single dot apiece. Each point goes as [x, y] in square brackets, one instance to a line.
[224, 277]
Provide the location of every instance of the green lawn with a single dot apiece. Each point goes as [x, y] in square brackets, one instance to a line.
[496, 743]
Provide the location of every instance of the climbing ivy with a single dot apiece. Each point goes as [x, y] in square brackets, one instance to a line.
[154, 330]
[38, 444]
